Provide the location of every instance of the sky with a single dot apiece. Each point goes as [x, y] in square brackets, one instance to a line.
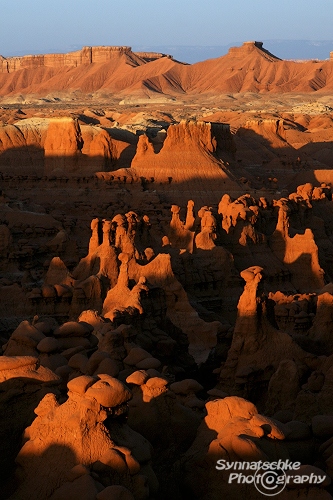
[42, 26]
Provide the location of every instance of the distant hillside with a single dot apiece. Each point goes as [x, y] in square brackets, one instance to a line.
[284, 49]
[123, 73]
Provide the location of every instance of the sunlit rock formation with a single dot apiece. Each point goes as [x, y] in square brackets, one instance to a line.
[257, 347]
[54, 146]
[298, 252]
[86, 430]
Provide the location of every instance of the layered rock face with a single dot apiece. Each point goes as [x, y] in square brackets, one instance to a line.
[249, 68]
[54, 146]
[299, 252]
[268, 129]
[190, 155]
[87, 55]
[252, 48]
[61, 147]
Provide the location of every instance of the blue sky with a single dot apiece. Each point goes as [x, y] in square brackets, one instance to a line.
[37, 26]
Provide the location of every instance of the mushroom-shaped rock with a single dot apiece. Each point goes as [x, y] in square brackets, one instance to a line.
[153, 373]
[46, 326]
[217, 393]
[232, 430]
[49, 292]
[109, 367]
[109, 392]
[68, 353]
[52, 361]
[186, 386]
[78, 362]
[251, 273]
[73, 329]
[72, 437]
[81, 384]
[48, 344]
[27, 334]
[13, 362]
[136, 355]
[72, 342]
[157, 383]
[139, 377]
[63, 372]
[95, 359]
[296, 431]
[26, 367]
[114, 459]
[147, 363]
[193, 402]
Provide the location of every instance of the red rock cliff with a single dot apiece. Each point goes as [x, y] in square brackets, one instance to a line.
[189, 148]
[87, 55]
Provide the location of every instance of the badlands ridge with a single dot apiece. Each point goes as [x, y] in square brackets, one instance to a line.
[118, 70]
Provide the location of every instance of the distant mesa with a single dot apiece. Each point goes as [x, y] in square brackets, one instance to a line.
[132, 76]
[249, 47]
[87, 55]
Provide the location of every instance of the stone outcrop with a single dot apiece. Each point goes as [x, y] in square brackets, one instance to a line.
[321, 330]
[87, 55]
[298, 252]
[252, 47]
[23, 384]
[233, 430]
[257, 347]
[62, 145]
[190, 151]
[154, 402]
[85, 432]
[270, 130]
[55, 146]
[201, 335]
[187, 146]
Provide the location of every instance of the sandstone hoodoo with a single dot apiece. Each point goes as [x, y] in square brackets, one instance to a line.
[166, 267]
